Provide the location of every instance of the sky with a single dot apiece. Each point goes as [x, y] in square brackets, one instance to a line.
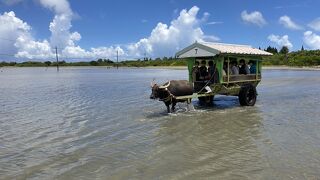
[85, 30]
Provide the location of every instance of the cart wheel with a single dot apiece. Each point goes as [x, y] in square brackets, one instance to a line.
[207, 100]
[247, 95]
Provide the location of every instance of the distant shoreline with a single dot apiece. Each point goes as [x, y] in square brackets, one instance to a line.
[304, 68]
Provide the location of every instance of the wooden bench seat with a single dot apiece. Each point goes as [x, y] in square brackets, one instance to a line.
[241, 77]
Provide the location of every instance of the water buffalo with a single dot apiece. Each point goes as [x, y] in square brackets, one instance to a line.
[168, 92]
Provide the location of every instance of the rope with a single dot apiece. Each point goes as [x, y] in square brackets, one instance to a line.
[215, 69]
[169, 98]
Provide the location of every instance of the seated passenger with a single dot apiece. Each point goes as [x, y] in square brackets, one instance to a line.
[224, 72]
[253, 68]
[204, 75]
[195, 72]
[234, 68]
[213, 72]
[203, 71]
[244, 69]
[211, 69]
[225, 69]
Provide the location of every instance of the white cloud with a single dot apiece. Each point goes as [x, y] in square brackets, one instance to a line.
[280, 41]
[165, 40]
[311, 39]
[18, 39]
[108, 51]
[61, 24]
[315, 24]
[214, 22]
[74, 52]
[31, 49]
[11, 28]
[288, 23]
[144, 21]
[255, 18]
[10, 2]
[58, 6]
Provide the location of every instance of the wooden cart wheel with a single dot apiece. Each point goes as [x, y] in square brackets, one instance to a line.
[207, 100]
[248, 95]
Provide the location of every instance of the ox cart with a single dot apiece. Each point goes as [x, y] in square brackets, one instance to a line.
[224, 56]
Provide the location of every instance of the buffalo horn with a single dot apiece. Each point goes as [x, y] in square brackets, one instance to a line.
[166, 86]
[152, 83]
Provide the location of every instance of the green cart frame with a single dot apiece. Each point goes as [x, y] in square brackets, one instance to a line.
[243, 86]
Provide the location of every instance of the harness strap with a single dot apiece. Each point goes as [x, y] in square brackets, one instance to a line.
[169, 98]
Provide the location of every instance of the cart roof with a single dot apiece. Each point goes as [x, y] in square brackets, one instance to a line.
[205, 49]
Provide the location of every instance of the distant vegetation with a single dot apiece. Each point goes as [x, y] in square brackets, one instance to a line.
[103, 62]
[295, 58]
[281, 57]
[99, 62]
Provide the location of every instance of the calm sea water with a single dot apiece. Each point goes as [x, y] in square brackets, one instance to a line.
[98, 123]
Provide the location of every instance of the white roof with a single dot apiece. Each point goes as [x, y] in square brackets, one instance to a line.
[199, 49]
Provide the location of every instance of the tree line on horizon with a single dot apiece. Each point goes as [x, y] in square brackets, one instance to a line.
[274, 50]
[280, 57]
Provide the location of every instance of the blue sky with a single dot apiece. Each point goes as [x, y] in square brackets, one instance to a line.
[99, 28]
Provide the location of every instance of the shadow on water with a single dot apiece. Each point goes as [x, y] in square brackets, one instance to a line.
[219, 141]
[219, 103]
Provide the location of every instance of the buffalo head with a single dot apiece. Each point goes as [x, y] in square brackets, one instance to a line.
[158, 91]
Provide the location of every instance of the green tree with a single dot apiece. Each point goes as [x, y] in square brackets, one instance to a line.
[272, 50]
[62, 62]
[93, 63]
[100, 61]
[48, 63]
[284, 50]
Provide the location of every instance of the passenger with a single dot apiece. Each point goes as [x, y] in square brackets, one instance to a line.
[211, 69]
[204, 75]
[195, 72]
[208, 89]
[244, 69]
[234, 68]
[225, 69]
[213, 72]
[203, 71]
[253, 68]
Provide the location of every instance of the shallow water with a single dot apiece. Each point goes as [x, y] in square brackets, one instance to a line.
[98, 123]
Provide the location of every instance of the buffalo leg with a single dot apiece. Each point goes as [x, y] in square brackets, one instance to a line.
[190, 105]
[173, 105]
[168, 107]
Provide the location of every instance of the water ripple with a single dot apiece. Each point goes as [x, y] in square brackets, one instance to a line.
[97, 123]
